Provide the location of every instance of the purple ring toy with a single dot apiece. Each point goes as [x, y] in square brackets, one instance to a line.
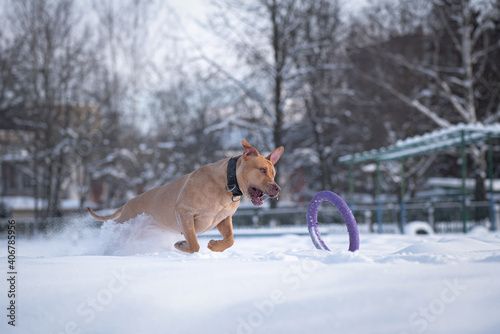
[345, 212]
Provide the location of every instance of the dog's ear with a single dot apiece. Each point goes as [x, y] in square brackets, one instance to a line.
[275, 156]
[249, 149]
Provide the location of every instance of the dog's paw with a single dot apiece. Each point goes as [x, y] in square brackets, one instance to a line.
[218, 245]
[182, 245]
[212, 245]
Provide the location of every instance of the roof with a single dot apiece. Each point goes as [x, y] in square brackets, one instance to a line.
[427, 143]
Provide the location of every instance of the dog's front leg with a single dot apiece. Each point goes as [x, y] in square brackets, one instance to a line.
[190, 245]
[225, 228]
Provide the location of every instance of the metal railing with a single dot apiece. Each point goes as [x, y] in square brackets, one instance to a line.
[443, 217]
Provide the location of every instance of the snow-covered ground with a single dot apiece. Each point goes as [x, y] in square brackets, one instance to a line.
[128, 279]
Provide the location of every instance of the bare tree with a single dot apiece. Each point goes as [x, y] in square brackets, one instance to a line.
[125, 48]
[47, 81]
[447, 51]
[264, 33]
[321, 65]
[458, 39]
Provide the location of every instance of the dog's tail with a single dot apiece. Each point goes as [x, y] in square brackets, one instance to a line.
[114, 216]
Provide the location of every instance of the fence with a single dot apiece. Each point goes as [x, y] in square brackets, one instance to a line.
[443, 217]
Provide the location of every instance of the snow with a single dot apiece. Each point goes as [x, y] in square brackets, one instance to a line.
[456, 183]
[28, 203]
[129, 279]
[418, 227]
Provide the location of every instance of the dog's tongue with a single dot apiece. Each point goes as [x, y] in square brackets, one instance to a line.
[257, 196]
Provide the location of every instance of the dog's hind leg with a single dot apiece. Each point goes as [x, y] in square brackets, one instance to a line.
[190, 245]
[225, 228]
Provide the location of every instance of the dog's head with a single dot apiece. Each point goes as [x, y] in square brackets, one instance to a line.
[256, 174]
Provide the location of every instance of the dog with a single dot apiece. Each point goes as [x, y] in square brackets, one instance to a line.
[206, 198]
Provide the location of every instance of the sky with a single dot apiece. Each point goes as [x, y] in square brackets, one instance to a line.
[193, 14]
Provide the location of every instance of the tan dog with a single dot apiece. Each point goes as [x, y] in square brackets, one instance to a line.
[203, 199]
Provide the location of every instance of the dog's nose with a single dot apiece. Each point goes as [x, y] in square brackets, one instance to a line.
[274, 190]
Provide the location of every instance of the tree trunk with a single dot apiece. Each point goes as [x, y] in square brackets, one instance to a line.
[278, 81]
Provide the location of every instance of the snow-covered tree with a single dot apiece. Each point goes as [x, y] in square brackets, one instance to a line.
[264, 34]
[47, 84]
[190, 121]
[438, 59]
[294, 63]
[321, 65]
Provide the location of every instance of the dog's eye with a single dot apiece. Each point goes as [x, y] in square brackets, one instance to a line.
[263, 170]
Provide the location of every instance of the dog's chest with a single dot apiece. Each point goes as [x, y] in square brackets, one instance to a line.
[211, 217]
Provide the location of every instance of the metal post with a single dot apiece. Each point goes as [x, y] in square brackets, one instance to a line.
[497, 213]
[490, 174]
[379, 201]
[464, 190]
[368, 220]
[430, 216]
[403, 203]
[351, 184]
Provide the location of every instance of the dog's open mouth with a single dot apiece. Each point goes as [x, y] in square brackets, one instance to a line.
[257, 196]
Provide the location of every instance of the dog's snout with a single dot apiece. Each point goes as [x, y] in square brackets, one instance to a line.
[274, 190]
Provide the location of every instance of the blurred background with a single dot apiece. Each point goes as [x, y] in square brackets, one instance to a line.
[103, 100]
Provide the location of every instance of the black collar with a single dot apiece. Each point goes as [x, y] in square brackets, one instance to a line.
[232, 182]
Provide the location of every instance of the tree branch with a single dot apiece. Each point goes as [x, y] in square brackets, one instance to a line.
[413, 103]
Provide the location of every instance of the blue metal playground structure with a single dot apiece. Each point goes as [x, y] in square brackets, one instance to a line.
[456, 136]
